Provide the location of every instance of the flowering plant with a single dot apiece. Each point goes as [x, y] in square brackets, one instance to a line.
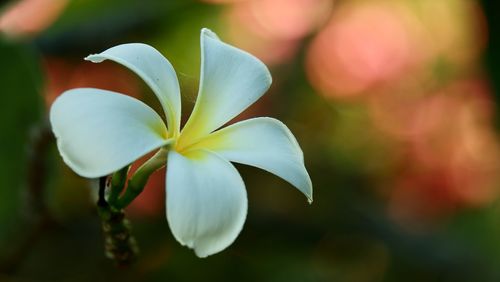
[101, 132]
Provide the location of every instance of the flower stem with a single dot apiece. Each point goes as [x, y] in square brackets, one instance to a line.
[139, 179]
[118, 181]
[120, 245]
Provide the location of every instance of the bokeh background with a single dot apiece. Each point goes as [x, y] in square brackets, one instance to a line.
[394, 102]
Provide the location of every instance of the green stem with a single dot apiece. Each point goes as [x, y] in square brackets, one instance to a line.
[118, 181]
[120, 245]
[140, 178]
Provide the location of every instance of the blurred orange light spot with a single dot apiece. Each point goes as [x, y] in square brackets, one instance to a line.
[287, 19]
[363, 44]
[272, 29]
[453, 159]
[30, 16]
[241, 32]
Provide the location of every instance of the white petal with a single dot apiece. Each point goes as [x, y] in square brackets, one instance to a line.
[155, 70]
[206, 201]
[265, 143]
[231, 80]
[99, 132]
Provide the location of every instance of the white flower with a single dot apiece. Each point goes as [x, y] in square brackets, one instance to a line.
[100, 132]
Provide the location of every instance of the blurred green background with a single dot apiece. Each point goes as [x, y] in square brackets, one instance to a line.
[394, 102]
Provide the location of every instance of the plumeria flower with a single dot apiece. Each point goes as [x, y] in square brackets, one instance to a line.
[99, 132]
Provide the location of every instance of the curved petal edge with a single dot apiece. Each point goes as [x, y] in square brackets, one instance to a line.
[149, 64]
[231, 80]
[206, 201]
[265, 143]
[99, 132]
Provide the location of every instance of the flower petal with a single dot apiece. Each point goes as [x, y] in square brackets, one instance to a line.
[99, 132]
[206, 201]
[231, 80]
[155, 70]
[265, 143]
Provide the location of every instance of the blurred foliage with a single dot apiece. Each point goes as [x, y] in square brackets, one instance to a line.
[22, 83]
[350, 233]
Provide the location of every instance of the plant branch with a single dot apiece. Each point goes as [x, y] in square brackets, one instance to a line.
[119, 244]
